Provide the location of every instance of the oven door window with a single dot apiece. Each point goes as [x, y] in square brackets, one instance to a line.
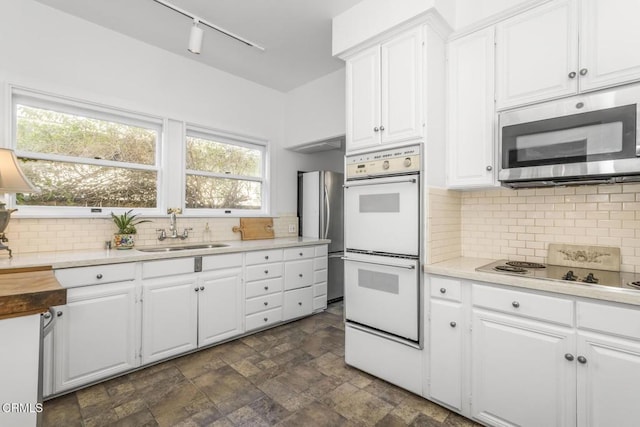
[593, 136]
[383, 217]
[383, 297]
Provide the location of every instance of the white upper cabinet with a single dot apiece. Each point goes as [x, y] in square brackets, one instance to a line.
[609, 43]
[564, 47]
[470, 124]
[384, 93]
[537, 55]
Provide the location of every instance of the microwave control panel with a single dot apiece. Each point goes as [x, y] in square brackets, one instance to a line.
[396, 161]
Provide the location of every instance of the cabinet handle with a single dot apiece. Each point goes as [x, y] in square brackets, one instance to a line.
[300, 254]
[266, 257]
[584, 72]
[572, 75]
[196, 289]
[516, 304]
[300, 274]
[376, 129]
[381, 127]
[202, 288]
[489, 168]
[99, 276]
[266, 288]
[266, 319]
[59, 314]
[453, 324]
[299, 303]
[266, 272]
[266, 303]
[582, 359]
[569, 357]
[443, 291]
[46, 315]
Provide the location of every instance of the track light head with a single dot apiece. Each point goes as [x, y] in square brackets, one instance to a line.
[195, 37]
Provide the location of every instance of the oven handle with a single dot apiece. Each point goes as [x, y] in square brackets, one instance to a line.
[408, 267]
[399, 181]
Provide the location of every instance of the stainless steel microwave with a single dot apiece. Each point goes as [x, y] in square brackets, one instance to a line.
[586, 139]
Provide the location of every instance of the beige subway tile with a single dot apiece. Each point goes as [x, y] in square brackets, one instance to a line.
[546, 222]
[526, 192]
[563, 191]
[624, 197]
[585, 240]
[526, 236]
[575, 198]
[515, 200]
[576, 231]
[526, 252]
[554, 230]
[598, 198]
[535, 214]
[608, 223]
[575, 215]
[517, 229]
[631, 206]
[621, 232]
[532, 229]
[565, 206]
[610, 241]
[517, 244]
[534, 245]
[526, 221]
[554, 199]
[631, 188]
[586, 206]
[609, 189]
[545, 206]
[610, 206]
[535, 199]
[564, 222]
[598, 214]
[541, 255]
[587, 223]
[554, 214]
[600, 232]
[631, 224]
[518, 214]
[545, 191]
[587, 189]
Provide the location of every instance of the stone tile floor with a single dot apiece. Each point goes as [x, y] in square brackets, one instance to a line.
[293, 375]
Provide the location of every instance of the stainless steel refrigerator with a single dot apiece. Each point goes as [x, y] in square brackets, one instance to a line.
[320, 196]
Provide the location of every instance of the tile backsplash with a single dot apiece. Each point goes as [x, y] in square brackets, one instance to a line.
[443, 231]
[28, 235]
[519, 224]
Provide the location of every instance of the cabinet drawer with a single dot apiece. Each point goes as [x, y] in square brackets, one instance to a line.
[322, 250]
[263, 271]
[297, 303]
[445, 288]
[168, 267]
[299, 253]
[319, 289]
[604, 317]
[320, 263]
[82, 276]
[217, 262]
[262, 303]
[320, 303]
[551, 309]
[263, 287]
[261, 257]
[298, 274]
[320, 276]
[265, 318]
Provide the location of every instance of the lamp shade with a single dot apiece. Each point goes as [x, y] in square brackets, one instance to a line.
[12, 179]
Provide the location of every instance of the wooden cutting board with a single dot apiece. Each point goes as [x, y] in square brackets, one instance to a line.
[255, 228]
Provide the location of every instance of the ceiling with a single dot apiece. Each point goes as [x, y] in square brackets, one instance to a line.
[296, 34]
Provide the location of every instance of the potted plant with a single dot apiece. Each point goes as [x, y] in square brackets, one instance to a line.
[126, 223]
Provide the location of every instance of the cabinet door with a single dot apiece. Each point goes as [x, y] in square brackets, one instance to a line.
[363, 99]
[297, 303]
[609, 43]
[608, 381]
[520, 375]
[446, 353]
[536, 54]
[219, 306]
[96, 334]
[298, 274]
[169, 317]
[470, 148]
[401, 79]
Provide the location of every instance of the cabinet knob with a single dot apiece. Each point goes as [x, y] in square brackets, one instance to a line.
[299, 303]
[59, 314]
[266, 319]
[266, 272]
[202, 288]
[300, 254]
[99, 276]
[300, 274]
[266, 288]
[572, 75]
[582, 359]
[196, 289]
[453, 324]
[46, 315]
[381, 128]
[516, 304]
[443, 290]
[266, 303]
[266, 257]
[584, 72]
[569, 357]
[489, 168]
[376, 129]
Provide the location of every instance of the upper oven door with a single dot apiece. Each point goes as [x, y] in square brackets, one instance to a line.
[382, 215]
[581, 136]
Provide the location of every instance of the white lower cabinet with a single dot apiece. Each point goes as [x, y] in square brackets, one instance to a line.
[297, 303]
[219, 306]
[96, 334]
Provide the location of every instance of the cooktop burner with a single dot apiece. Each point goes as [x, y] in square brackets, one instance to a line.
[524, 264]
[589, 277]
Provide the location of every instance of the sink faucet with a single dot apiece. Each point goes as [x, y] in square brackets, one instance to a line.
[173, 229]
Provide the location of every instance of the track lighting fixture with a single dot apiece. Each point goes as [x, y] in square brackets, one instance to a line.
[195, 37]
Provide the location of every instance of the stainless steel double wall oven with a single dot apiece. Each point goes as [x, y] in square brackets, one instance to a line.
[382, 241]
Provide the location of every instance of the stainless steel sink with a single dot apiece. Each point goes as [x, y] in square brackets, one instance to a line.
[183, 248]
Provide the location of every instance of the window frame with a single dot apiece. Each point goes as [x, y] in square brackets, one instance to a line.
[217, 135]
[63, 104]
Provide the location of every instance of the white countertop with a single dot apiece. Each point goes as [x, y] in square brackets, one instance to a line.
[465, 268]
[99, 257]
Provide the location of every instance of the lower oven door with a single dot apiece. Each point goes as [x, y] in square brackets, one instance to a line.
[383, 293]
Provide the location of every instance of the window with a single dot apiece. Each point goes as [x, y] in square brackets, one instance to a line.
[224, 173]
[85, 156]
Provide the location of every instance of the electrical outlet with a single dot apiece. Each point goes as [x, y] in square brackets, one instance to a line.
[292, 228]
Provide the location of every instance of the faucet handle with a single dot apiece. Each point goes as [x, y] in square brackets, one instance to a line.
[163, 233]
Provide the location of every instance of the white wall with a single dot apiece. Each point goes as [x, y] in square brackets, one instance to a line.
[316, 110]
[45, 49]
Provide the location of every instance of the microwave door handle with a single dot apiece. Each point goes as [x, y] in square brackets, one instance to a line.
[399, 181]
[408, 267]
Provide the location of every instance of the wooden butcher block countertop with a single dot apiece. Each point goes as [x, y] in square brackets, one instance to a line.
[30, 290]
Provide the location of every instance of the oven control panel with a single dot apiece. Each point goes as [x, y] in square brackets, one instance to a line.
[387, 162]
